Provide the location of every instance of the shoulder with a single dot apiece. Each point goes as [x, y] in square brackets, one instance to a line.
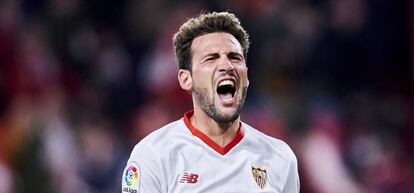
[148, 159]
[159, 139]
[268, 143]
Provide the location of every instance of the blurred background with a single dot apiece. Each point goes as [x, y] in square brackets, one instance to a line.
[81, 82]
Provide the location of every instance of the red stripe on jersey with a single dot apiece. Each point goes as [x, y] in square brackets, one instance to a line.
[221, 150]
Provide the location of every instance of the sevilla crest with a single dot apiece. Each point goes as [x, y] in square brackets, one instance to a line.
[260, 176]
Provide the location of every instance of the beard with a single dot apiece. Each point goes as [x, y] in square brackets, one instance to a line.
[207, 105]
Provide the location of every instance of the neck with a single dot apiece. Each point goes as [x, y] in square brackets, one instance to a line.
[221, 133]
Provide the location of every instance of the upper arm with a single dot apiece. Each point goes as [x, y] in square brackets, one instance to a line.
[142, 173]
[292, 183]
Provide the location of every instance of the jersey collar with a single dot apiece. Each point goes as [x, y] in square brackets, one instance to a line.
[207, 140]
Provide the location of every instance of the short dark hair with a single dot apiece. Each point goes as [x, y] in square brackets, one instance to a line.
[203, 24]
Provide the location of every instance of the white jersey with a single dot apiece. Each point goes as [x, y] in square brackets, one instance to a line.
[178, 158]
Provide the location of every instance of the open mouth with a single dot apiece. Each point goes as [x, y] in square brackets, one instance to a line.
[226, 90]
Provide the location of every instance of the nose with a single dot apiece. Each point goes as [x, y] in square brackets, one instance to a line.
[225, 64]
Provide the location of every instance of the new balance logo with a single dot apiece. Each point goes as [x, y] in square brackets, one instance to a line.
[189, 178]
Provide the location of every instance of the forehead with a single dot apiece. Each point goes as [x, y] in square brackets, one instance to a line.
[215, 43]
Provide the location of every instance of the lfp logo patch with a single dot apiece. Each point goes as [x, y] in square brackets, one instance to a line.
[131, 174]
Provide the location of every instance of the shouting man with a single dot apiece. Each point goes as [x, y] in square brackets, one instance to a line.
[210, 149]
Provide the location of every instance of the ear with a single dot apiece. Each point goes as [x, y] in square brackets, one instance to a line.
[185, 79]
[248, 82]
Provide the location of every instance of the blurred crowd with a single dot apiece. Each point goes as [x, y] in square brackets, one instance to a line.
[81, 82]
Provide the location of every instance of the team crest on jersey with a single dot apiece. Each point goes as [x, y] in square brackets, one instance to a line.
[260, 176]
[131, 178]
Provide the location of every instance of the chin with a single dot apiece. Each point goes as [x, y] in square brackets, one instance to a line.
[226, 115]
[228, 112]
[226, 119]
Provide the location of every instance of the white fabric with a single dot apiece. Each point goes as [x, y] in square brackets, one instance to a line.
[173, 160]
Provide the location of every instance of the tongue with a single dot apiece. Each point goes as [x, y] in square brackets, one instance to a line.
[225, 96]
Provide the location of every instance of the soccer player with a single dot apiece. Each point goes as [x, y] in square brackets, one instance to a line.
[210, 150]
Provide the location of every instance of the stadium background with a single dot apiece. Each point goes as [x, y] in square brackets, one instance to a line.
[81, 82]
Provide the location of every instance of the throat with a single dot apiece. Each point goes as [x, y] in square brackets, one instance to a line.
[221, 133]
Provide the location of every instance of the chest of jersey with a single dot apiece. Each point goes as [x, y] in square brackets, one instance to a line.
[197, 168]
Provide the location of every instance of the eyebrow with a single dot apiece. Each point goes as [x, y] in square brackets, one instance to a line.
[215, 54]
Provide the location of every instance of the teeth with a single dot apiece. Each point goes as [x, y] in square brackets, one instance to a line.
[226, 82]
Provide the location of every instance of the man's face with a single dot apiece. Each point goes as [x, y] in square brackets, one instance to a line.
[219, 75]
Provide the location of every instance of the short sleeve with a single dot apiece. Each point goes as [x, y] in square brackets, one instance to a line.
[141, 174]
[292, 184]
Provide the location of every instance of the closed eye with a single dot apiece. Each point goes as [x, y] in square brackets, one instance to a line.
[211, 57]
[235, 57]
